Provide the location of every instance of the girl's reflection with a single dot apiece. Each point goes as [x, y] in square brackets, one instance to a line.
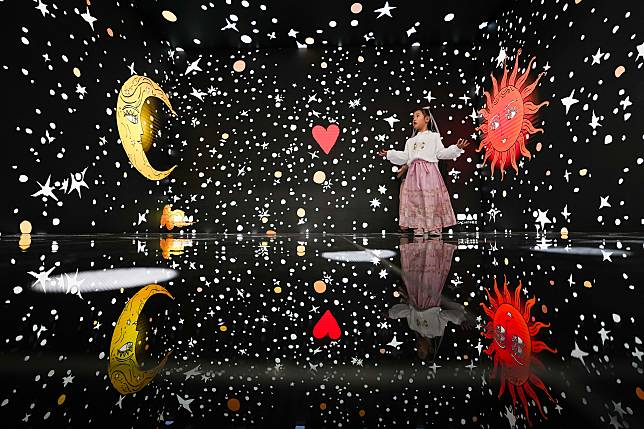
[425, 266]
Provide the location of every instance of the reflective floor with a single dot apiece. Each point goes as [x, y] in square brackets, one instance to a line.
[322, 331]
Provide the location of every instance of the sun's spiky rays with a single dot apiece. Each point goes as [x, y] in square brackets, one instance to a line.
[507, 118]
[513, 346]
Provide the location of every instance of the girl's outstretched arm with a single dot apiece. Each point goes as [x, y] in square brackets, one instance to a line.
[397, 157]
[453, 151]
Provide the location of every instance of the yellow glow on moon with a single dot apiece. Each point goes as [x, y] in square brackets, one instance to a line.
[76, 71]
[169, 16]
[25, 227]
[124, 370]
[239, 66]
[319, 177]
[130, 102]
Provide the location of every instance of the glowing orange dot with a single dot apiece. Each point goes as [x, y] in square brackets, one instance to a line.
[639, 392]
[233, 404]
[223, 328]
[61, 399]
[323, 406]
[239, 66]
[356, 8]
[361, 413]
[319, 286]
[619, 71]
[110, 32]
[588, 284]
[25, 227]
[544, 308]
[552, 282]
[270, 232]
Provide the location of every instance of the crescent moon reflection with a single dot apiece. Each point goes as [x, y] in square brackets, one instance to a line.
[130, 101]
[124, 371]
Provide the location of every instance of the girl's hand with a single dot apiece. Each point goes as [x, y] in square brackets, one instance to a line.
[382, 153]
[462, 143]
[402, 171]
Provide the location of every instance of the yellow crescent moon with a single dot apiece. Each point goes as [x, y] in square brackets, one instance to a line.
[124, 370]
[131, 99]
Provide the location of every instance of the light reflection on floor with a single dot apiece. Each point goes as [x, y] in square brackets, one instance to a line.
[323, 330]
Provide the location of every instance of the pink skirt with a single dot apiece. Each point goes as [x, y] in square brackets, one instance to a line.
[424, 200]
[425, 267]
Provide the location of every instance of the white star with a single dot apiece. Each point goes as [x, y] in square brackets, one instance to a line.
[292, 33]
[197, 93]
[569, 101]
[382, 189]
[193, 67]
[429, 97]
[185, 403]
[502, 56]
[375, 203]
[67, 380]
[594, 122]
[88, 18]
[80, 90]
[45, 190]
[131, 67]
[567, 176]
[120, 401]
[625, 102]
[542, 218]
[385, 10]
[42, 7]
[230, 25]
[383, 274]
[579, 354]
[606, 255]
[603, 202]
[142, 218]
[604, 334]
[394, 343]
[193, 372]
[597, 57]
[640, 51]
[570, 281]
[565, 212]
[391, 120]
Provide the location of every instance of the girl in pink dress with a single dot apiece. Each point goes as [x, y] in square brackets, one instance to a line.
[425, 206]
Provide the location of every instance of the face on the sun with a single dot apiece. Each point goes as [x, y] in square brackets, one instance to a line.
[506, 119]
[420, 120]
[513, 343]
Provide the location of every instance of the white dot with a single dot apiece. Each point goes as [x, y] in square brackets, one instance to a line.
[55, 221]
[233, 18]
[24, 40]
[23, 178]
[332, 24]
[245, 3]
[354, 23]
[449, 17]
[17, 290]
[616, 318]
[240, 228]
[246, 39]
[197, 41]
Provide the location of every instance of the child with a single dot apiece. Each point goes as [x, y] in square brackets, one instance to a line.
[425, 267]
[425, 205]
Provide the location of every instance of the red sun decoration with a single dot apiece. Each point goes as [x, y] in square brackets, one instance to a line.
[512, 331]
[508, 118]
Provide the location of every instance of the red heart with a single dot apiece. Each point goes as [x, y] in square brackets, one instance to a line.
[327, 325]
[326, 137]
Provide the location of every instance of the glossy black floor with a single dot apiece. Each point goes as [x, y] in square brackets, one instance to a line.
[402, 332]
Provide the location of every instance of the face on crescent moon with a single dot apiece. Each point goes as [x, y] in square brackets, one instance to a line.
[128, 120]
[124, 370]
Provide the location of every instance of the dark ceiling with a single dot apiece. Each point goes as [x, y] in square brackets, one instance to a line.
[235, 24]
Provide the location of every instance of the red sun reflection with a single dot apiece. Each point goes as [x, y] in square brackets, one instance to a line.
[513, 346]
[508, 118]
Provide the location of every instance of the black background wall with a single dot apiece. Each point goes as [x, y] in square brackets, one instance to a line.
[267, 112]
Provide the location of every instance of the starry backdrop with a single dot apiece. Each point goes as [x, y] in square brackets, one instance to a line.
[247, 161]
